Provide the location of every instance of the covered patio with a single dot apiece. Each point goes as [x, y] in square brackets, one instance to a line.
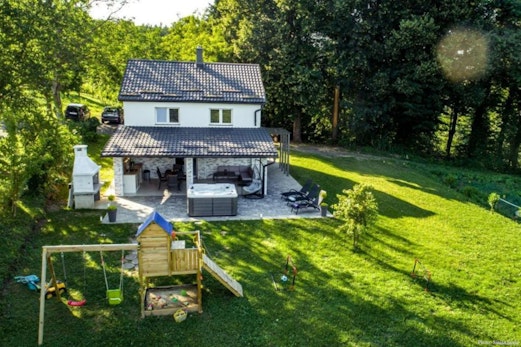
[172, 204]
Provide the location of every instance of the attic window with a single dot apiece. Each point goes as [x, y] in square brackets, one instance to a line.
[170, 95]
[130, 94]
[250, 97]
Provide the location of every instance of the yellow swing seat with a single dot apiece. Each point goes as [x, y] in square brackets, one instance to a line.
[115, 296]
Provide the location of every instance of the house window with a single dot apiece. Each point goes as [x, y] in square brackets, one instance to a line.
[167, 115]
[220, 116]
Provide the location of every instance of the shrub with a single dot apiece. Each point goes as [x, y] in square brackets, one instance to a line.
[359, 210]
[450, 180]
[493, 199]
[87, 129]
[470, 191]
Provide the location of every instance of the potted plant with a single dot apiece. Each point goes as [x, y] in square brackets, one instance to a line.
[112, 208]
[323, 209]
[323, 205]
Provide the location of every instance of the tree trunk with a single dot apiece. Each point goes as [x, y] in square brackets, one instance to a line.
[513, 157]
[336, 108]
[56, 94]
[478, 140]
[507, 120]
[297, 127]
[452, 131]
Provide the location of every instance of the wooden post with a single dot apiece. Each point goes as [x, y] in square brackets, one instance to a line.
[199, 272]
[54, 281]
[336, 106]
[42, 297]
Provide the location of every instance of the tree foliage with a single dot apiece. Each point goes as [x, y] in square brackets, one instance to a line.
[358, 209]
[440, 79]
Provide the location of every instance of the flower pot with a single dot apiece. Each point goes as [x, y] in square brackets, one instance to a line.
[112, 215]
[323, 210]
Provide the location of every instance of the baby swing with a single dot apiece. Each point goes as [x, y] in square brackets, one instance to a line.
[115, 296]
[72, 302]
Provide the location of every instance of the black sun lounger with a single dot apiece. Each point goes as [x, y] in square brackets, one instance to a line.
[303, 191]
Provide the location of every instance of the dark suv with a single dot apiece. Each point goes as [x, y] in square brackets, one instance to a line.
[77, 112]
[112, 114]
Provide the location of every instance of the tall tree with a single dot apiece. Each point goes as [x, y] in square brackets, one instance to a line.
[280, 35]
[189, 32]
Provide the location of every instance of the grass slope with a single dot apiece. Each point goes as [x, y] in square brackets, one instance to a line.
[342, 298]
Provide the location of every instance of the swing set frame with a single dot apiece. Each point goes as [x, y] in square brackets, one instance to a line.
[47, 252]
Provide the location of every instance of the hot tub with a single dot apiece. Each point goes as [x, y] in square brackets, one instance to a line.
[219, 199]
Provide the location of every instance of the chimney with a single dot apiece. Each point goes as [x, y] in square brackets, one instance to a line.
[199, 56]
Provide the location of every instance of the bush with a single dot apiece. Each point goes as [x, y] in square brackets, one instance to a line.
[87, 129]
[470, 192]
[493, 199]
[358, 209]
[450, 180]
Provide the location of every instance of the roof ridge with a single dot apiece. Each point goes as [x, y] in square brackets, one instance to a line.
[190, 62]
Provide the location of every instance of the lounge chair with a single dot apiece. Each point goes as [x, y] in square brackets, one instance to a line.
[313, 191]
[303, 191]
[310, 201]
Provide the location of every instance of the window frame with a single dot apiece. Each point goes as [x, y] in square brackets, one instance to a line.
[167, 115]
[222, 116]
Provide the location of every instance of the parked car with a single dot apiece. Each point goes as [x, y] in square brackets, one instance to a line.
[78, 112]
[112, 114]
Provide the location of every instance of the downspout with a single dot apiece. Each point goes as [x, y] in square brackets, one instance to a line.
[255, 116]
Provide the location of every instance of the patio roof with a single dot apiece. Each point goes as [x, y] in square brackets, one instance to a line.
[190, 142]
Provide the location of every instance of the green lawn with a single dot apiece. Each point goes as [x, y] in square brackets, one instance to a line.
[342, 298]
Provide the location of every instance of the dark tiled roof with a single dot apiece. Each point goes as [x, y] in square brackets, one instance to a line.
[190, 142]
[156, 80]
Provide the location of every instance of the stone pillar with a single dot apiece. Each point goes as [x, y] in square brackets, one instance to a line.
[118, 176]
[189, 171]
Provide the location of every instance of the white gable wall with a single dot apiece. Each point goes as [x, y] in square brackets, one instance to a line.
[191, 114]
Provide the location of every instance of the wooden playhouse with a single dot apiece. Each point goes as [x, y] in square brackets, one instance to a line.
[164, 252]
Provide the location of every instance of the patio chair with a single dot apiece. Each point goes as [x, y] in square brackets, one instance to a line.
[304, 190]
[308, 202]
[161, 178]
[173, 182]
[313, 191]
[253, 189]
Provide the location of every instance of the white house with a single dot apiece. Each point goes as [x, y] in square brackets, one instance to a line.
[197, 116]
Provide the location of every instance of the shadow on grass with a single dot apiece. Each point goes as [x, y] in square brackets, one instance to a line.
[389, 205]
[327, 307]
[394, 172]
[462, 298]
[405, 184]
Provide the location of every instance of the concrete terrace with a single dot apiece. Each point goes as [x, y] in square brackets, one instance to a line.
[172, 204]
